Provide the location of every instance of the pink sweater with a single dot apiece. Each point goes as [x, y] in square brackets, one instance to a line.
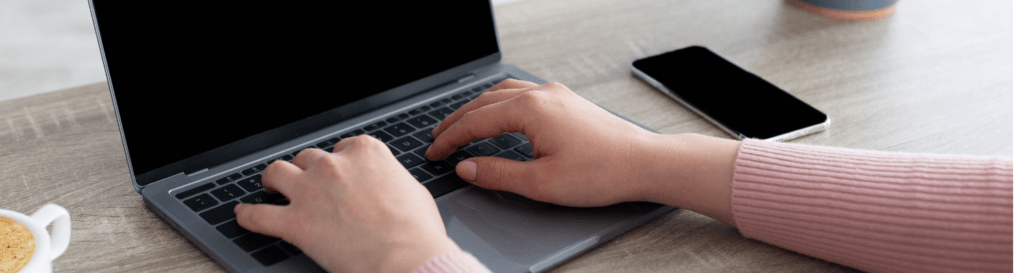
[875, 211]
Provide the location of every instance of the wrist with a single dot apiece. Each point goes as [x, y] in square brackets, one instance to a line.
[692, 172]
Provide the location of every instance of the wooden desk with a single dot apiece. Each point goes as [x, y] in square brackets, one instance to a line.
[934, 77]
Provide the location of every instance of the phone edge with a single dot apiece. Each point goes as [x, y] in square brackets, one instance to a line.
[737, 135]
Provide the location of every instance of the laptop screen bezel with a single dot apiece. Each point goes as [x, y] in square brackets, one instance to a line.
[292, 130]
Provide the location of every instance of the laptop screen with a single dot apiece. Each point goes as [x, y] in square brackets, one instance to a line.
[189, 77]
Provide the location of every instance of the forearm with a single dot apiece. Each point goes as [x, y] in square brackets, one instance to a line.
[692, 172]
[877, 211]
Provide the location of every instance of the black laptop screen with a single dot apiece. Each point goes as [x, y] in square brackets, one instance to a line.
[193, 76]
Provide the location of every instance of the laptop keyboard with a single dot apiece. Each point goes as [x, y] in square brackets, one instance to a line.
[408, 136]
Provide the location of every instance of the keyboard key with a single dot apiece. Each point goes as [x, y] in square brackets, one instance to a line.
[271, 255]
[422, 121]
[385, 137]
[250, 171]
[397, 118]
[392, 119]
[483, 149]
[446, 101]
[478, 89]
[232, 229]
[511, 155]
[420, 175]
[329, 149]
[498, 81]
[253, 183]
[445, 184]
[352, 133]
[200, 202]
[525, 149]
[220, 214]
[457, 157]
[435, 104]
[254, 241]
[418, 111]
[457, 97]
[290, 248]
[194, 191]
[233, 177]
[424, 135]
[467, 93]
[228, 192]
[410, 160]
[254, 169]
[440, 113]
[400, 129]
[458, 104]
[506, 141]
[406, 143]
[328, 143]
[287, 158]
[422, 151]
[260, 197]
[438, 167]
[375, 126]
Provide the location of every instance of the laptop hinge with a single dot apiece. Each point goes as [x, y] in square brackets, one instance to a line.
[466, 78]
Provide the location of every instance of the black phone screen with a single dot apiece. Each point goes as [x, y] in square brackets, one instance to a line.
[738, 100]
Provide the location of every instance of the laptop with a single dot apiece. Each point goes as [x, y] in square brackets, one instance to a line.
[207, 94]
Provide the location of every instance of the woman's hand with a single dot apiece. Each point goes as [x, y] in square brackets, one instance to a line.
[354, 210]
[584, 155]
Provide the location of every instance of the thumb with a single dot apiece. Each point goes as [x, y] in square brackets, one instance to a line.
[262, 218]
[498, 173]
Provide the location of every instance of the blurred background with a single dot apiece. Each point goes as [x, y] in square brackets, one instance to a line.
[47, 45]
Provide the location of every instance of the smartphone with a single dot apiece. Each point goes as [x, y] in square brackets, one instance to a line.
[733, 99]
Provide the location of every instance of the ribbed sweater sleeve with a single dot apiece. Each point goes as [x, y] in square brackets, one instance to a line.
[456, 262]
[877, 211]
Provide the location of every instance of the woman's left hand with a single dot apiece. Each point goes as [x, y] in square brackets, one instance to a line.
[354, 210]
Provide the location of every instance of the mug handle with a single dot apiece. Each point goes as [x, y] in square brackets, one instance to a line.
[61, 219]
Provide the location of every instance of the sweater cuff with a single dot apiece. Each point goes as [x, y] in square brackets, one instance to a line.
[455, 262]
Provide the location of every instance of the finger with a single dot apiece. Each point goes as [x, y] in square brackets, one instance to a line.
[484, 99]
[306, 157]
[278, 177]
[340, 146]
[264, 219]
[498, 173]
[485, 122]
[511, 83]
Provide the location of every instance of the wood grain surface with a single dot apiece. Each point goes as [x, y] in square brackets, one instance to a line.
[935, 77]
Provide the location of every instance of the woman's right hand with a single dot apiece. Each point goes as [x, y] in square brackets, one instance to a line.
[583, 155]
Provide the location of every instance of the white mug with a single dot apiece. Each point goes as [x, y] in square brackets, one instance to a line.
[48, 247]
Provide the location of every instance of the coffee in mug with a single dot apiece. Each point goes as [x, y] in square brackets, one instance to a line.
[26, 246]
[16, 245]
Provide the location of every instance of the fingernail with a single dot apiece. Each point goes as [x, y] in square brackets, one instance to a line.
[237, 208]
[429, 148]
[469, 168]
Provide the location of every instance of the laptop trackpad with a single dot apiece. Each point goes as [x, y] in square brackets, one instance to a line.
[488, 223]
